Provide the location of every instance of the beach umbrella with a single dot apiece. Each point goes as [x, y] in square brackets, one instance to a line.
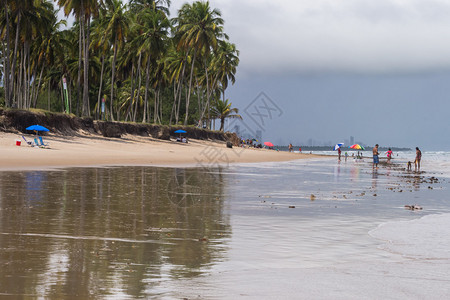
[37, 128]
[268, 144]
[357, 147]
[180, 131]
[337, 146]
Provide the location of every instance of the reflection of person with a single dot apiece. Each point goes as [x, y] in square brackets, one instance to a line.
[418, 158]
[339, 154]
[376, 159]
[290, 147]
[389, 155]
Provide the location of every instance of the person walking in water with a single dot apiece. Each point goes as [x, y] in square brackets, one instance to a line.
[376, 159]
[418, 158]
[389, 155]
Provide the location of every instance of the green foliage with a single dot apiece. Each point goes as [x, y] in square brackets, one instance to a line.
[148, 67]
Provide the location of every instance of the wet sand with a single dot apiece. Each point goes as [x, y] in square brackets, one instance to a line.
[130, 150]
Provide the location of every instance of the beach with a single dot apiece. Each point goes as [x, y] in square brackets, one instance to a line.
[96, 150]
[96, 222]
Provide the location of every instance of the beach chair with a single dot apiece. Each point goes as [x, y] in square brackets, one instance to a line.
[29, 143]
[41, 142]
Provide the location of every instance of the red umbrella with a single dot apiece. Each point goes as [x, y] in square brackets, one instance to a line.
[268, 144]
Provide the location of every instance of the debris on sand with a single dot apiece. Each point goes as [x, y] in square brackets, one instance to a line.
[413, 207]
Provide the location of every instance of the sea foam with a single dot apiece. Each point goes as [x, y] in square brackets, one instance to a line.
[424, 238]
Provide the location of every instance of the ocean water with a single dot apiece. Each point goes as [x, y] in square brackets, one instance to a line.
[305, 229]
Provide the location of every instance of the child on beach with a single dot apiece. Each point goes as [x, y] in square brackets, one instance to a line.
[389, 155]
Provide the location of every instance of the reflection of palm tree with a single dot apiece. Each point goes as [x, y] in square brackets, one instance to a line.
[222, 110]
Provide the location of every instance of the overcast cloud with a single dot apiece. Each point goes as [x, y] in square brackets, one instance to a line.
[338, 35]
[376, 70]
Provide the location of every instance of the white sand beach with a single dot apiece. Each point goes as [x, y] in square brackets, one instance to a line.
[96, 150]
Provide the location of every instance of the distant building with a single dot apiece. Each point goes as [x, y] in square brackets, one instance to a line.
[352, 140]
[237, 130]
[258, 135]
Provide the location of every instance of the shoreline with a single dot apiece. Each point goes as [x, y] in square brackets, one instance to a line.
[95, 150]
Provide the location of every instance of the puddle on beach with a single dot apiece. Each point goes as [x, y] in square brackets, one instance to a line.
[131, 232]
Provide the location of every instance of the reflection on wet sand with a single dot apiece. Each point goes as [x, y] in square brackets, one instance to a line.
[90, 233]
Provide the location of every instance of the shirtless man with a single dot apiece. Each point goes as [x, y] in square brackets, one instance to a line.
[375, 156]
[418, 158]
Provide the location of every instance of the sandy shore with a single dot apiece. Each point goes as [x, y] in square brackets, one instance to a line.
[95, 150]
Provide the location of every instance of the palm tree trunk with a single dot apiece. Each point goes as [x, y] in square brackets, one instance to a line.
[37, 88]
[80, 58]
[113, 71]
[86, 106]
[127, 114]
[100, 88]
[180, 92]
[190, 86]
[7, 59]
[174, 102]
[48, 99]
[139, 87]
[13, 68]
[147, 82]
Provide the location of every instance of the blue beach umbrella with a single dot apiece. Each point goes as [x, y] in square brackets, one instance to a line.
[180, 131]
[337, 146]
[37, 128]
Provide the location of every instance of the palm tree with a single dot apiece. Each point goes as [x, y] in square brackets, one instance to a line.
[222, 110]
[225, 64]
[154, 33]
[198, 30]
[116, 30]
[83, 11]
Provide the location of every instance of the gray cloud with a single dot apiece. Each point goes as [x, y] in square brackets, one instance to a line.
[352, 35]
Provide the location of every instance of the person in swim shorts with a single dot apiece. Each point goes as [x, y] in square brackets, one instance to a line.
[376, 159]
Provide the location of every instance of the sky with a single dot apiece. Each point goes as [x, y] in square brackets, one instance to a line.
[325, 70]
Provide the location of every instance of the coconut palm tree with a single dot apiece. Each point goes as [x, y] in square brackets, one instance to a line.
[154, 33]
[198, 30]
[222, 110]
[116, 30]
[225, 63]
[83, 11]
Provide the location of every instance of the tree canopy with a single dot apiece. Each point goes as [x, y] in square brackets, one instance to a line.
[125, 61]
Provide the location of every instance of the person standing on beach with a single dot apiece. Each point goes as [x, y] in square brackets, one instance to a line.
[290, 147]
[418, 158]
[339, 154]
[376, 159]
[389, 155]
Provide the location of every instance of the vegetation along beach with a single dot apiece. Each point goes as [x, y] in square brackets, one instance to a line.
[130, 168]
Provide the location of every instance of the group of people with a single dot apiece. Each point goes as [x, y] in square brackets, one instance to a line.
[389, 153]
[291, 148]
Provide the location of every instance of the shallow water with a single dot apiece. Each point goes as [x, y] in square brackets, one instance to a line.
[268, 230]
